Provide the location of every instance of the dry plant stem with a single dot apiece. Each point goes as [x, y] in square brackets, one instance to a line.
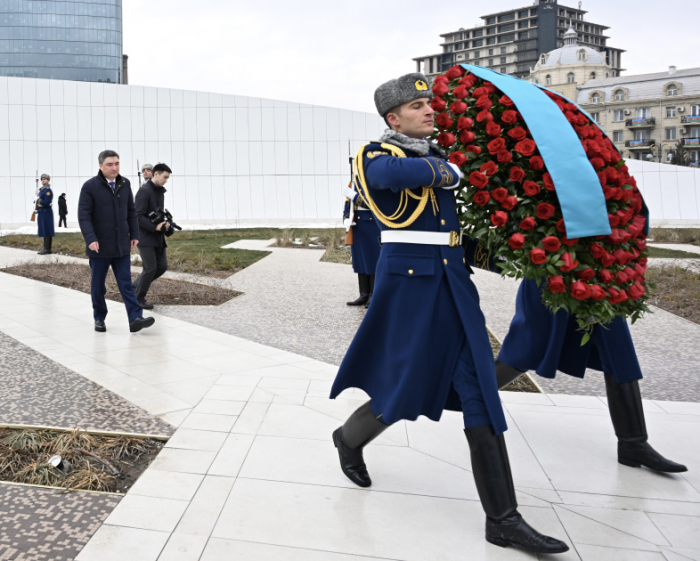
[115, 471]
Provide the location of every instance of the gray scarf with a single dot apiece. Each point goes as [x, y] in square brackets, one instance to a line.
[421, 147]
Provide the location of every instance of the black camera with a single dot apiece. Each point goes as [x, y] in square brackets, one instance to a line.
[162, 215]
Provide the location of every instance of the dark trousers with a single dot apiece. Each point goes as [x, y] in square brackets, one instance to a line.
[121, 267]
[155, 263]
[62, 219]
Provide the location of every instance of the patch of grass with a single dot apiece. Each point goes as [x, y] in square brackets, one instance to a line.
[677, 291]
[663, 253]
[338, 255]
[675, 235]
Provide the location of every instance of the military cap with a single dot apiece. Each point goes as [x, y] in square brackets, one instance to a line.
[401, 90]
[146, 167]
[46, 176]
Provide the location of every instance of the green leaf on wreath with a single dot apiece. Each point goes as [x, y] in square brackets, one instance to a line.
[586, 337]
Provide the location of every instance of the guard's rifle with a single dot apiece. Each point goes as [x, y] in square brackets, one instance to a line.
[138, 171]
[351, 214]
[36, 197]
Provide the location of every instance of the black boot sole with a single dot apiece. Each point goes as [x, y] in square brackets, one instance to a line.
[347, 474]
[500, 542]
[139, 327]
[637, 464]
[100, 329]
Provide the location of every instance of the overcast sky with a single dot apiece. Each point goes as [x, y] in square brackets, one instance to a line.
[336, 53]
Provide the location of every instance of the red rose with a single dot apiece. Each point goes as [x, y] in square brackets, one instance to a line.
[480, 92]
[438, 104]
[455, 72]
[517, 133]
[545, 210]
[490, 87]
[569, 263]
[504, 156]
[642, 245]
[469, 80]
[607, 259]
[481, 197]
[614, 220]
[586, 275]
[496, 145]
[536, 163]
[467, 137]
[464, 123]
[597, 292]
[620, 256]
[556, 284]
[474, 149]
[606, 276]
[458, 107]
[621, 277]
[460, 92]
[509, 117]
[596, 249]
[440, 88]
[484, 103]
[548, 183]
[617, 296]
[526, 147]
[505, 100]
[550, 243]
[446, 139]
[500, 194]
[636, 290]
[538, 256]
[478, 179]
[509, 203]
[499, 218]
[580, 290]
[492, 129]
[531, 188]
[561, 227]
[597, 163]
[444, 121]
[441, 78]
[517, 241]
[528, 223]
[458, 158]
[489, 168]
[567, 241]
[516, 174]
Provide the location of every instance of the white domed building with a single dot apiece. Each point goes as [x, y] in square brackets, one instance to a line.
[563, 69]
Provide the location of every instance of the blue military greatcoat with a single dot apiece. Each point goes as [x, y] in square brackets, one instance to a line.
[425, 309]
[365, 246]
[44, 215]
[544, 342]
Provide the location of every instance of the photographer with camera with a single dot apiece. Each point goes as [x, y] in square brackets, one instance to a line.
[150, 200]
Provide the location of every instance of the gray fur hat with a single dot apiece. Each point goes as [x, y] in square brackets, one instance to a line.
[401, 90]
[45, 176]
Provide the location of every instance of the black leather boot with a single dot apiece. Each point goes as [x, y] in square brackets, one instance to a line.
[361, 428]
[504, 524]
[363, 281]
[47, 246]
[371, 290]
[627, 414]
[506, 374]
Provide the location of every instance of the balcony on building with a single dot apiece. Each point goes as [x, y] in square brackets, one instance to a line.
[641, 123]
[640, 144]
[688, 120]
[690, 142]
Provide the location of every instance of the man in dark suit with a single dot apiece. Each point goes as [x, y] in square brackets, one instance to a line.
[149, 198]
[62, 211]
[107, 218]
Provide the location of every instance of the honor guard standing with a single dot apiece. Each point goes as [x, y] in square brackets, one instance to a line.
[146, 172]
[44, 214]
[365, 246]
[422, 346]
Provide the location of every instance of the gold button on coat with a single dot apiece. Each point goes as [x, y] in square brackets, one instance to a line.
[445, 261]
[410, 271]
[442, 222]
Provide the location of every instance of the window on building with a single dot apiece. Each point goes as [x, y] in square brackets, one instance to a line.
[522, 24]
[695, 156]
[672, 90]
[695, 110]
[478, 33]
[491, 20]
[504, 50]
[595, 98]
[491, 41]
[619, 115]
[595, 116]
[477, 54]
[582, 55]
[592, 75]
[570, 78]
[504, 28]
[671, 133]
[643, 113]
[491, 31]
[506, 17]
[477, 62]
[533, 12]
[503, 60]
[669, 156]
[543, 59]
[670, 112]
[533, 22]
[643, 134]
[548, 80]
[618, 136]
[695, 132]
[449, 48]
[503, 70]
[506, 38]
[466, 56]
[522, 14]
[619, 95]
[490, 62]
[490, 52]
[478, 43]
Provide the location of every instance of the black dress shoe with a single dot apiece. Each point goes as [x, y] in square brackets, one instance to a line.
[351, 461]
[44, 252]
[514, 531]
[146, 305]
[637, 454]
[100, 326]
[141, 323]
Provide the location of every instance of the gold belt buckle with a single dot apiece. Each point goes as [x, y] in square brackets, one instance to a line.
[454, 239]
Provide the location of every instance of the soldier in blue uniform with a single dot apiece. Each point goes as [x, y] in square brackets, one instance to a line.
[44, 214]
[422, 346]
[365, 246]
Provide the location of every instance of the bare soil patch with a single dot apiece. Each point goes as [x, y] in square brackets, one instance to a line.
[677, 291]
[675, 235]
[163, 291]
[338, 255]
[97, 463]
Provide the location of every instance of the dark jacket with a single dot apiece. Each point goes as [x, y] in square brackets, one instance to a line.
[107, 217]
[150, 197]
[62, 206]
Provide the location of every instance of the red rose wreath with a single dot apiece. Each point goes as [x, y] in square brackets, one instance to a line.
[508, 200]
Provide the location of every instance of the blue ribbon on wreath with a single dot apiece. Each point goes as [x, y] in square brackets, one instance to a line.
[577, 185]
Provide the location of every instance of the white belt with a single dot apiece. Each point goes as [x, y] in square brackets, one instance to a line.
[423, 238]
[361, 208]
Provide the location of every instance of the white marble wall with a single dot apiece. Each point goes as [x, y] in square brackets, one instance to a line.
[235, 159]
[672, 193]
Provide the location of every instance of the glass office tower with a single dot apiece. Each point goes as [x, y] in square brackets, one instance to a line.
[62, 39]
